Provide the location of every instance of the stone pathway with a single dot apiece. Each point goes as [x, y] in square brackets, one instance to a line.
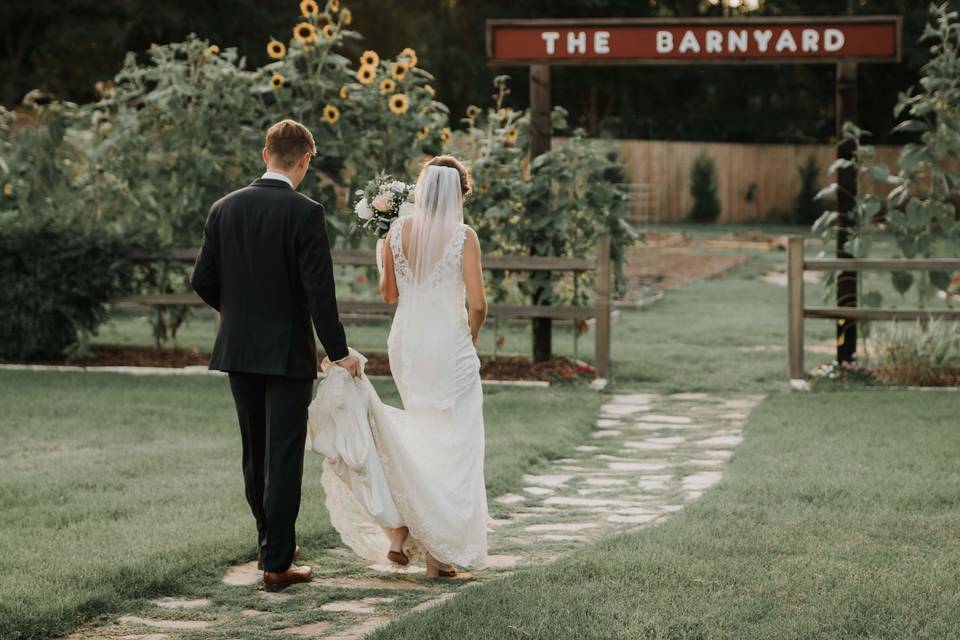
[648, 456]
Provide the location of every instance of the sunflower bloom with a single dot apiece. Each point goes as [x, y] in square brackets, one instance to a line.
[429, 90]
[366, 74]
[329, 31]
[344, 92]
[213, 50]
[8, 189]
[309, 8]
[410, 56]
[331, 114]
[276, 49]
[423, 133]
[511, 135]
[370, 58]
[399, 70]
[276, 82]
[346, 17]
[387, 85]
[305, 33]
[333, 6]
[445, 135]
[399, 103]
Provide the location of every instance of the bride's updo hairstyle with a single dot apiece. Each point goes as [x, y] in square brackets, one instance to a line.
[466, 185]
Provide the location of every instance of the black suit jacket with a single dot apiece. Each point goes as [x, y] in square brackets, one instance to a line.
[265, 265]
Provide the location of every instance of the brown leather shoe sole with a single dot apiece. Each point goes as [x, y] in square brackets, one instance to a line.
[283, 580]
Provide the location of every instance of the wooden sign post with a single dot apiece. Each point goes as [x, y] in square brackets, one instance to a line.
[844, 41]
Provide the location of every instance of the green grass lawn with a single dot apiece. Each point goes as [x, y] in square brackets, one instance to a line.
[839, 518]
[115, 488]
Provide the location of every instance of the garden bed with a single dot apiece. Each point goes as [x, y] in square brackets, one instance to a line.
[556, 370]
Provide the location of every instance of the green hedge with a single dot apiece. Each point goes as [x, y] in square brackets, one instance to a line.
[54, 284]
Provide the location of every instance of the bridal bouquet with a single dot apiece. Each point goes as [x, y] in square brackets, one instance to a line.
[380, 202]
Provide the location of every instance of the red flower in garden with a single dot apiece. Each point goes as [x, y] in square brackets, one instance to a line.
[361, 279]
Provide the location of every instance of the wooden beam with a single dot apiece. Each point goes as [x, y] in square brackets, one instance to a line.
[847, 281]
[859, 313]
[882, 264]
[602, 302]
[795, 307]
[540, 132]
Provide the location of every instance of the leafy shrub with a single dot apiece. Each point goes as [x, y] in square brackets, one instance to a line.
[921, 353]
[703, 188]
[806, 207]
[54, 284]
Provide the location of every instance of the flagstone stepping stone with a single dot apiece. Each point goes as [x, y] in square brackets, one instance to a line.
[605, 482]
[689, 396]
[722, 454]
[181, 603]
[538, 491]
[243, 575]
[693, 495]
[432, 602]
[637, 466]
[623, 409]
[571, 501]
[720, 441]
[365, 605]
[593, 492]
[495, 523]
[666, 419]
[733, 416]
[633, 398]
[178, 625]
[550, 537]
[393, 568]
[702, 480]
[607, 457]
[307, 630]
[561, 526]
[576, 469]
[503, 561]
[667, 439]
[547, 480]
[739, 404]
[253, 613]
[658, 426]
[636, 511]
[607, 433]
[510, 498]
[670, 508]
[587, 448]
[147, 636]
[619, 519]
[273, 596]
[604, 423]
[709, 462]
[358, 631]
[649, 446]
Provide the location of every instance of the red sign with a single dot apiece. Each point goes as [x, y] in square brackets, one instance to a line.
[694, 40]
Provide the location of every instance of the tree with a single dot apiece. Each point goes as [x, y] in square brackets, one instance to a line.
[703, 188]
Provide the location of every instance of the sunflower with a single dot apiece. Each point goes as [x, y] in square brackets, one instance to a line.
[387, 85]
[331, 114]
[344, 93]
[399, 103]
[213, 50]
[399, 70]
[333, 6]
[370, 58]
[410, 55]
[329, 31]
[346, 17]
[276, 82]
[366, 74]
[309, 8]
[483, 188]
[305, 33]
[423, 133]
[429, 90]
[8, 189]
[518, 207]
[276, 49]
[511, 135]
[445, 135]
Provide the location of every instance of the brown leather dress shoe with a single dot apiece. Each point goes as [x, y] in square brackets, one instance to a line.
[296, 556]
[294, 574]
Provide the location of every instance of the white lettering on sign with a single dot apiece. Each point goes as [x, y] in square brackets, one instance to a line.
[577, 42]
[601, 42]
[833, 40]
[763, 39]
[737, 41]
[550, 38]
[714, 42]
[810, 39]
[689, 43]
[664, 42]
[786, 41]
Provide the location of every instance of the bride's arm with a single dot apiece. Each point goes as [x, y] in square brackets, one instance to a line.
[473, 281]
[388, 279]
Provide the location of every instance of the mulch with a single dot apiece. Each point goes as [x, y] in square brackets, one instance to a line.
[557, 369]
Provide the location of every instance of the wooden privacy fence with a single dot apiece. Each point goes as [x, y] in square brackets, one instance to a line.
[600, 312]
[797, 263]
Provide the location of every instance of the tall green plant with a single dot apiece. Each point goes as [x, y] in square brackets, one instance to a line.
[703, 189]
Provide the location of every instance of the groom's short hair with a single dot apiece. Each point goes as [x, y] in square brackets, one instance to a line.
[287, 141]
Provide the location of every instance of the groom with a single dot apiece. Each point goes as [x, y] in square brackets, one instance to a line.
[265, 265]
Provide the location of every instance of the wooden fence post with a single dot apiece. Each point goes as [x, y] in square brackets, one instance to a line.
[795, 302]
[602, 329]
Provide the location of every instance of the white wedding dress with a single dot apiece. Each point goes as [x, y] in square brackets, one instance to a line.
[431, 452]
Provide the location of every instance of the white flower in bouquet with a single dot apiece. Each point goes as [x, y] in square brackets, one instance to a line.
[406, 209]
[382, 203]
[363, 210]
[397, 186]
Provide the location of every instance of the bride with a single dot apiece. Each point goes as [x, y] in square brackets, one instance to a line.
[431, 452]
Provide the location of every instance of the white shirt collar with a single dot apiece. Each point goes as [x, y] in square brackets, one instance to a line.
[274, 175]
